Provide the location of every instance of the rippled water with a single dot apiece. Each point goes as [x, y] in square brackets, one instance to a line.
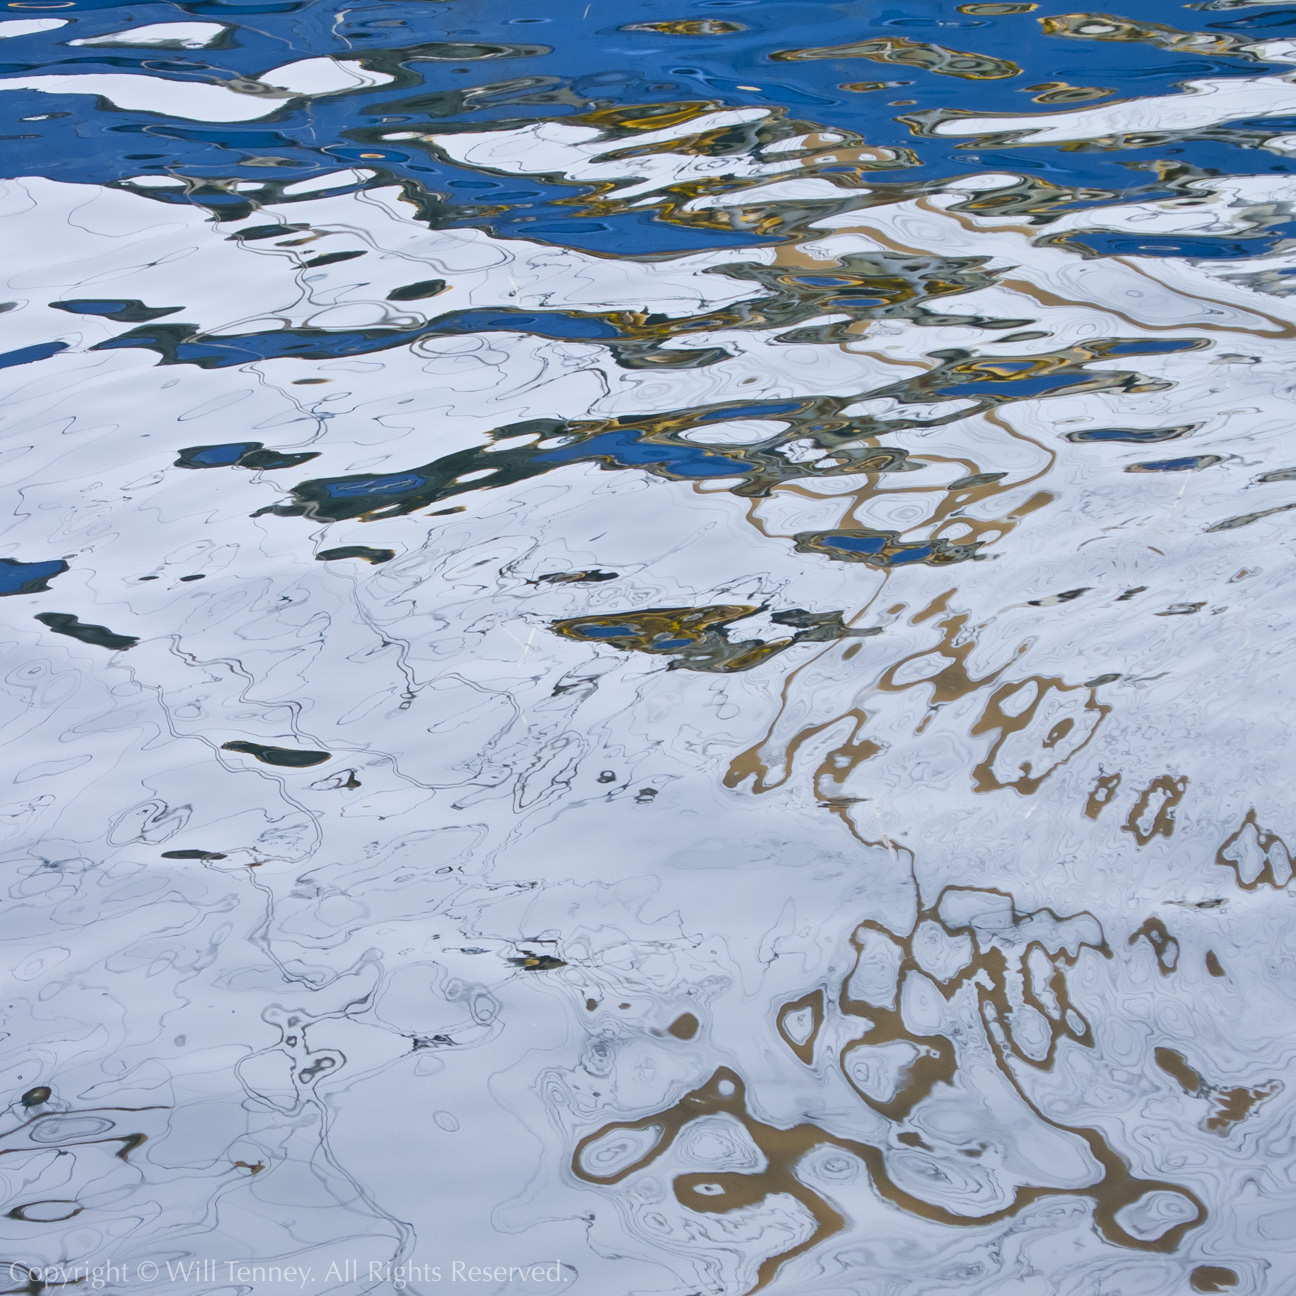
[648, 647]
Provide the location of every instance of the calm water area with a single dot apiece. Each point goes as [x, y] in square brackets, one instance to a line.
[647, 647]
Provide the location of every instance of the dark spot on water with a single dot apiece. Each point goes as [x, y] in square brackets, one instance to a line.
[1052, 600]
[65, 623]
[645, 795]
[417, 291]
[36, 1097]
[186, 579]
[577, 577]
[292, 758]
[28, 578]
[330, 258]
[1190, 463]
[1213, 965]
[1245, 519]
[537, 962]
[356, 551]
[124, 311]
[976, 479]
[242, 454]
[1133, 436]
[267, 460]
[215, 456]
[192, 855]
[608, 776]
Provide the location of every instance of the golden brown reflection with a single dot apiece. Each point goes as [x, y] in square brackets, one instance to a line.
[1257, 856]
[833, 771]
[688, 27]
[1230, 1106]
[1237, 1104]
[1164, 946]
[1108, 27]
[865, 87]
[1040, 724]
[800, 1036]
[1212, 1278]
[1175, 1065]
[1059, 92]
[1055, 719]
[908, 53]
[1104, 790]
[1154, 811]
[684, 1027]
[948, 675]
[1013, 964]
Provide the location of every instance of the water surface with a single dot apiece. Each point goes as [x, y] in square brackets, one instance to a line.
[648, 646]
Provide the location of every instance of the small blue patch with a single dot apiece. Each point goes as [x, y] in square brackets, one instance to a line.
[28, 355]
[28, 578]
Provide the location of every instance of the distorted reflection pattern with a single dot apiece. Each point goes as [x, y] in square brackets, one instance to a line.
[646, 651]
